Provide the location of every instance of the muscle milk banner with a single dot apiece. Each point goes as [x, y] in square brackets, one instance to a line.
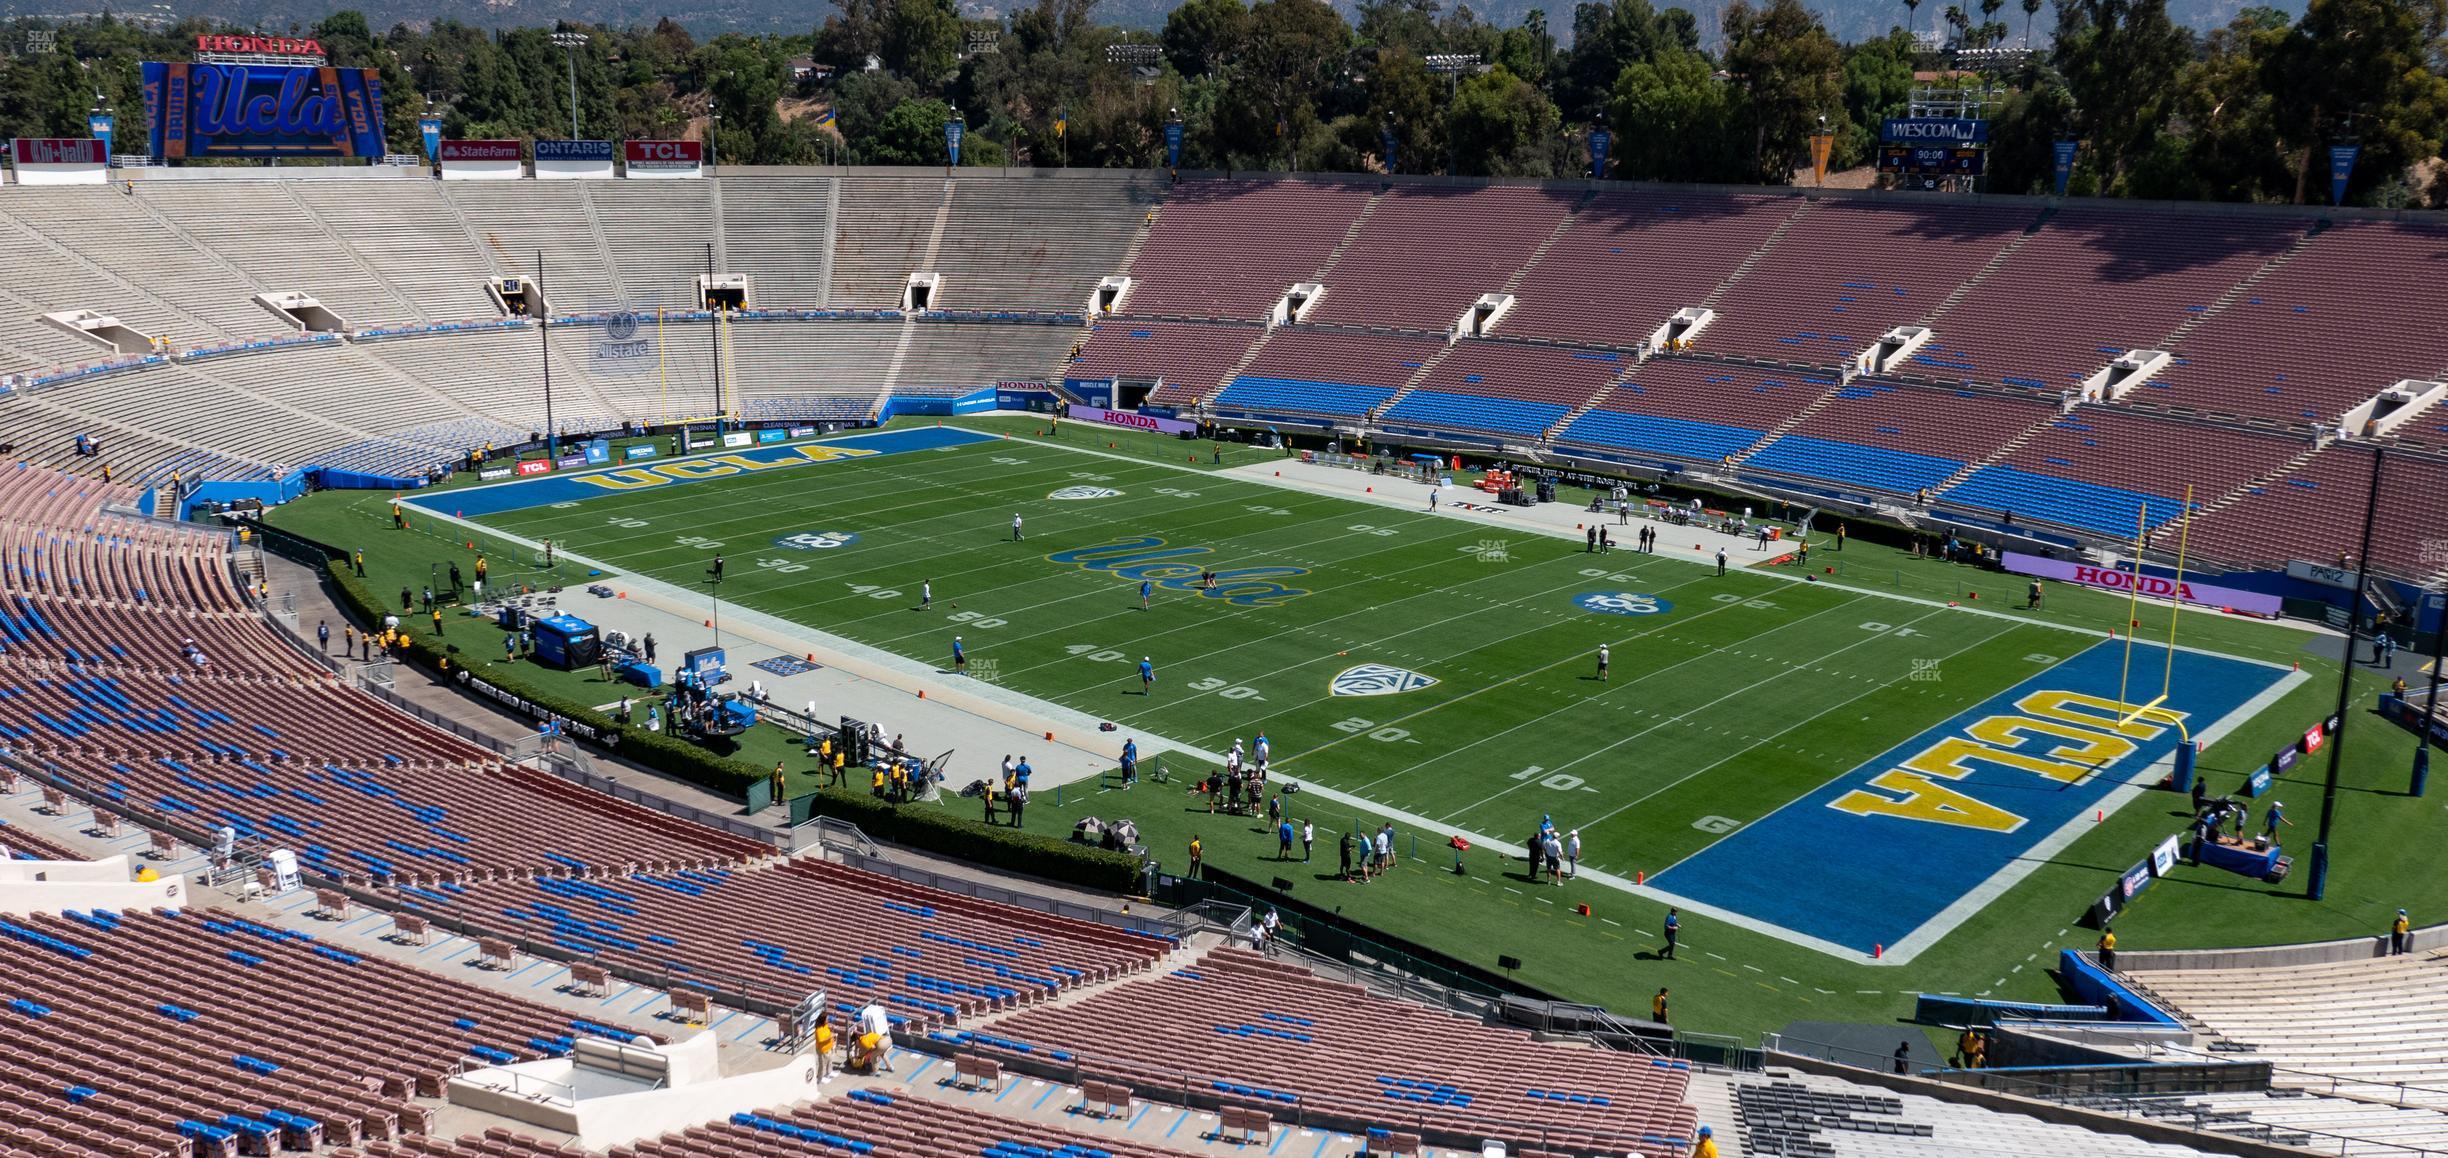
[2155, 586]
[60, 161]
[573, 160]
[654, 159]
[482, 161]
[1132, 419]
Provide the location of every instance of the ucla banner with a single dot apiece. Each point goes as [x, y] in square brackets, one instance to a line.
[2341, 170]
[2062, 156]
[261, 110]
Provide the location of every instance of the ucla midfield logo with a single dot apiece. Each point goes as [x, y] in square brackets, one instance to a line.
[1147, 558]
[1377, 679]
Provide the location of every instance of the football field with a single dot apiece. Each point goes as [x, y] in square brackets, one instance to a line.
[1845, 770]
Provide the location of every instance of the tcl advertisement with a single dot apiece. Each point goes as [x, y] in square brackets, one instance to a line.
[664, 158]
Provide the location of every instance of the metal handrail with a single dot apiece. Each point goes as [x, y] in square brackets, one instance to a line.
[834, 834]
[2170, 1109]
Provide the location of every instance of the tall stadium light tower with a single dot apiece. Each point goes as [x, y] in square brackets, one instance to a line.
[570, 43]
[1451, 65]
[1141, 60]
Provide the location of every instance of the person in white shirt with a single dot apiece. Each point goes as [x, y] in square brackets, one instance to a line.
[1016, 535]
[1572, 852]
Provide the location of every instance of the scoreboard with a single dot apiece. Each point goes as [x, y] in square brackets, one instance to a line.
[1931, 160]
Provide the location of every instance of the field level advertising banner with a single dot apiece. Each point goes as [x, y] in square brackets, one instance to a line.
[262, 110]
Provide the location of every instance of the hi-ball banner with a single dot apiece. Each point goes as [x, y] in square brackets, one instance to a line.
[1600, 141]
[262, 110]
[1173, 143]
[952, 140]
[60, 161]
[2157, 587]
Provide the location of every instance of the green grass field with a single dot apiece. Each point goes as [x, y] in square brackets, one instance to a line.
[1749, 692]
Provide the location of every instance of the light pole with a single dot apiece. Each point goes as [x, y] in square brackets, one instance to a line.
[1140, 59]
[570, 43]
[552, 434]
[1451, 65]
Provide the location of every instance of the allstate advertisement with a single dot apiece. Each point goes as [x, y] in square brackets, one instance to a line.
[262, 110]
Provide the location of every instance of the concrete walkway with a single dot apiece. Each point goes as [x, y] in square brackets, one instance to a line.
[1558, 520]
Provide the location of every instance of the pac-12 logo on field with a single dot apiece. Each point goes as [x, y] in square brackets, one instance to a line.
[1377, 679]
[1621, 603]
[1085, 493]
[816, 540]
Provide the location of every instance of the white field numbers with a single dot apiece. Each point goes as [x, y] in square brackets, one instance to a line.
[1559, 781]
[1223, 688]
[1386, 735]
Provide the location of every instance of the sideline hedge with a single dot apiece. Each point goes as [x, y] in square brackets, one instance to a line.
[937, 829]
[916, 825]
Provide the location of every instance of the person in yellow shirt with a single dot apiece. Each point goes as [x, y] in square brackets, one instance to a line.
[1657, 1007]
[824, 1051]
[2401, 935]
[1706, 1147]
[2107, 948]
[145, 874]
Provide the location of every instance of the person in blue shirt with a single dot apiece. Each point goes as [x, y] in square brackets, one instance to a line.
[2276, 817]
[1674, 929]
[1020, 772]
[1147, 676]
[960, 657]
[1130, 762]
[1283, 840]
[1146, 589]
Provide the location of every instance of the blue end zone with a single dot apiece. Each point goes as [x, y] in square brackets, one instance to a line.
[595, 484]
[1887, 849]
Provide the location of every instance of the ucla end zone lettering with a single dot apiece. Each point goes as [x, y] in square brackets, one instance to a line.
[519, 496]
[1894, 848]
[1148, 558]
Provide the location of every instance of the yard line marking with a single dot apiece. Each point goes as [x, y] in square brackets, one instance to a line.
[1679, 717]
[1821, 714]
